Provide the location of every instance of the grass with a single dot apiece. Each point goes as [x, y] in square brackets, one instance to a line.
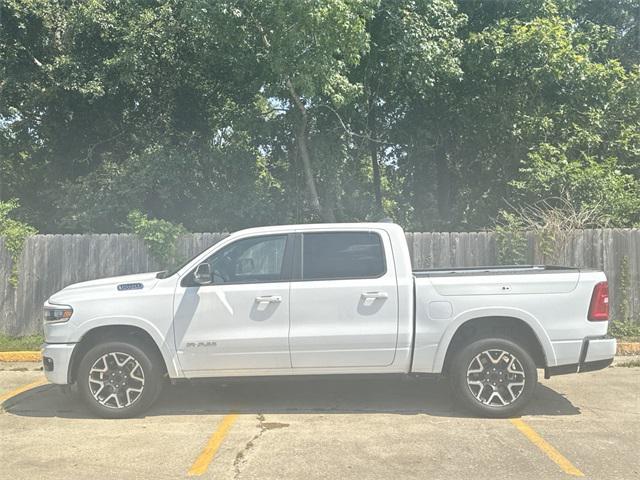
[12, 344]
[630, 363]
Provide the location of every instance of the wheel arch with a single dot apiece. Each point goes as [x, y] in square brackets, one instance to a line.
[121, 332]
[517, 326]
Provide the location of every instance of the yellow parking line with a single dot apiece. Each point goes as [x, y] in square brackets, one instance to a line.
[20, 357]
[204, 459]
[12, 393]
[547, 448]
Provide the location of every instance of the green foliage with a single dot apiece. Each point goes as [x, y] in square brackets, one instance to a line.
[624, 291]
[311, 44]
[16, 344]
[511, 240]
[227, 114]
[624, 330]
[629, 363]
[589, 184]
[15, 233]
[159, 235]
[551, 221]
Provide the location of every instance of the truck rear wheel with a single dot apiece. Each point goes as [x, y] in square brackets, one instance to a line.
[118, 379]
[493, 377]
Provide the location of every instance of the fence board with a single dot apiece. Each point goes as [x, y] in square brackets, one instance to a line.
[50, 262]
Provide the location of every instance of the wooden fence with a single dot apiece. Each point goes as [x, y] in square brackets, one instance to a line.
[50, 262]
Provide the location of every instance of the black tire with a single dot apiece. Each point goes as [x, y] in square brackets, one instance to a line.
[474, 397]
[152, 375]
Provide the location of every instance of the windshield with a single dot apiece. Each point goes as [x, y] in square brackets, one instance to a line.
[173, 271]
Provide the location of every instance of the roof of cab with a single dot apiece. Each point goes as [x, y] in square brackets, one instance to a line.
[319, 226]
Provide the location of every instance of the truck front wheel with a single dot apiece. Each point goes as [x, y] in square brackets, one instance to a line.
[493, 377]
[118, 379]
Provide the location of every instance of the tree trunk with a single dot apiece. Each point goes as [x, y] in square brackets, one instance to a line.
[301, 137]
[375, 165]
[443, 176]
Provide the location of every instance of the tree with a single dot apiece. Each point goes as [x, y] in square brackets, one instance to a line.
[414, 53]
[305, 49]
[531, 83]
[227, 114]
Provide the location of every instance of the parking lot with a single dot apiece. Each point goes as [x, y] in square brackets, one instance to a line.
[586, 424]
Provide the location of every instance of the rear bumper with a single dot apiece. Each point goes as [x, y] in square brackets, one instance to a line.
[56, 358]
[598, 349]
[596, 353]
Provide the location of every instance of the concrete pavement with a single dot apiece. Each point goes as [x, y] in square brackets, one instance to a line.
[325, 427]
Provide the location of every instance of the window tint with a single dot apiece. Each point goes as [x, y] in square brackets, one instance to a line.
[342, 255]
[251, 260]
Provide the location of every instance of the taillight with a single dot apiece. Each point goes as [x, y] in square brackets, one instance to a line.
[599, 307]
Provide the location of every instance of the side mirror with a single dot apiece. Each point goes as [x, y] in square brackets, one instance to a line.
[202, 275]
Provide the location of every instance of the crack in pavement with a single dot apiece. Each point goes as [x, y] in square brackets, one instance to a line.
[241, 456]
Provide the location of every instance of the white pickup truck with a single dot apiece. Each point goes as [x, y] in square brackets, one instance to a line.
[325, 299]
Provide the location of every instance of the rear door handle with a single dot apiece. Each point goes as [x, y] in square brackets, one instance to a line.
[269, 299]
[375, 295]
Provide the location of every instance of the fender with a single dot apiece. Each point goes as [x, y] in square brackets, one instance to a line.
[164, 340]
[470, 315]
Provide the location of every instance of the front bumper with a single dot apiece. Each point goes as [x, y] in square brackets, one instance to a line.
[56, 359]
[596, 353]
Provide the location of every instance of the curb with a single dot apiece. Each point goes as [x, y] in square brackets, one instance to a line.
[628, 348]
[20, 357]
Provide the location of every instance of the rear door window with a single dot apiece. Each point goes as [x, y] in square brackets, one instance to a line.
[342, 255]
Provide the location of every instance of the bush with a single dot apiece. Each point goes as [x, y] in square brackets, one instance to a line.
[602, 187]
[622, 329]
[159, 235]
[511, 239]
[552, 221]
[15, 233]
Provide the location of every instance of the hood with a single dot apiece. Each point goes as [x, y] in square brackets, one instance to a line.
[128, 283]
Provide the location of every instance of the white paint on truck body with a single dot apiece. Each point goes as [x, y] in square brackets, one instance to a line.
[557, 317]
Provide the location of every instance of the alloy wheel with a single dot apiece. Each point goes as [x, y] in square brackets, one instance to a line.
[496, 377]
[116, 380]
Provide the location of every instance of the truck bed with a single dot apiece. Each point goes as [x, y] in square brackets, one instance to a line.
[502, 280]
[494, 270]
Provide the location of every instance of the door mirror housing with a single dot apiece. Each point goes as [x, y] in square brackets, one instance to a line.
[202, 275]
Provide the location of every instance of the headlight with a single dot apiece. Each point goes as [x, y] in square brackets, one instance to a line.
[57, 314]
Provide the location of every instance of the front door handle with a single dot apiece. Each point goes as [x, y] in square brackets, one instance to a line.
[269, 299]
[375, 295]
